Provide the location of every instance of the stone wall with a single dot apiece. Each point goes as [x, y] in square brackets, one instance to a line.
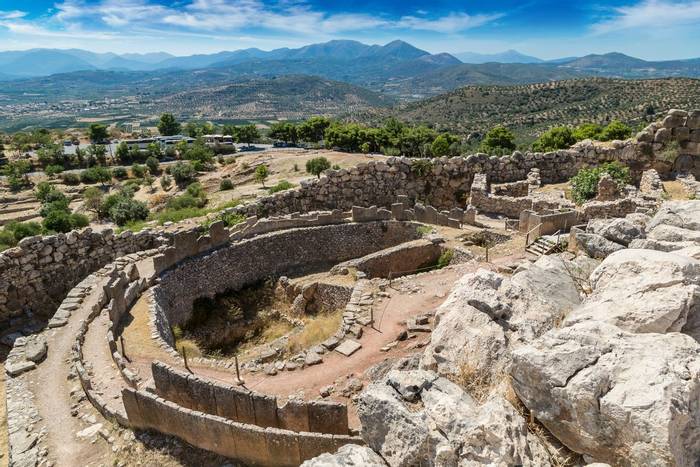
[36, 275]
[270, 255]
[483, 200]
[244, 406]
[250, 444]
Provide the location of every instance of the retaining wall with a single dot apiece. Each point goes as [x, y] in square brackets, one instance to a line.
[250, 444]
[396, 261]
[270, 255]
[244, 406]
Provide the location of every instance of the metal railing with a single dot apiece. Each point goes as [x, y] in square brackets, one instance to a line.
[527, 236]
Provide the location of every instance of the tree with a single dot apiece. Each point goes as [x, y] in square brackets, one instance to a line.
[93, 198]
[261, 174]
[98, 152]
[96, 174]
[284, 131]
[123, 154]
[585, 183]
[313, 129]
[168, 126]
[153, 165]
[248, 134]
[498, 140]
[183, 173]
[587, 131]
[615, 130]
[97, 132]
[317, 165]
[16, 173]
[556, 138]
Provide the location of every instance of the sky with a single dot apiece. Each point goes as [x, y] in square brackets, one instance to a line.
[649, 29]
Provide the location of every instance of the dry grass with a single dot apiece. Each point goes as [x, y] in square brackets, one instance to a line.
[675, 190]
[188, 346]
[270, 333]
[559, 455]
[316, 330]
[475, 381]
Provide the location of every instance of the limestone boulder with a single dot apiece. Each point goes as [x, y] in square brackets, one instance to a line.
[347, 456]
[672, 233]
[596, 246]
[618, 397]
[683, 214]
[486, 313]
[453, 430]
[621, 231]
[643, 291]
[649, 244]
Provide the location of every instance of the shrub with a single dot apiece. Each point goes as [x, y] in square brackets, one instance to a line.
[183, 173]
[139, 171]
[95, 175]
[421, 167]
[587, 131]
[19, 230]
[261, 174]
[120, 173]
[126, 210]
[226, 184]
[556, 138]
[616, 130]
[336, 167]
[585, 183]
[165, 182]
[281, 186]
[296, 167]
[317, 165]
[60, 203]
[52, 170]
[498, 140]
[70, 178]
[45, 192]
[57, 220]
[78, 221]
[93, 198]
[153, 165]
[445, 259]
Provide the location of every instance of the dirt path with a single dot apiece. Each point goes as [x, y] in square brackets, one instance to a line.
[52, 386]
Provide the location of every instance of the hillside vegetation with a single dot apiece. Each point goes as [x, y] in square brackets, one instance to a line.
[529, 109]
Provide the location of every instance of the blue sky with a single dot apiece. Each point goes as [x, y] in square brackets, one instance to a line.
[651, 29]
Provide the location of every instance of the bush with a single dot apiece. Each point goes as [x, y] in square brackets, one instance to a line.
[281, 186]
[585, 183]
[93, 198]
[445, 259]
[498, 140]
[153, 165]
[95, 175]
[556, 138]
[615, 130]
[183, 173]
[317, 165]
[20, 230]
[78, 221]
[120, 173]
[261, 174]
[165, 182]
[52, 170]
[58, 220]
[70, 178]
[126, 210]
[226, 184]
[139, 171]
[587, 131]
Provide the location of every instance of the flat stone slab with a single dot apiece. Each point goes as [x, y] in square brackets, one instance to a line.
[312, 359]
[36, 349]
[90, 431]
[57, 322]
[348, 347]
[331, 343]
[16, 369]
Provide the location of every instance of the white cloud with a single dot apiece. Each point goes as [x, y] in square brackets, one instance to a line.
[10, 15]
[651, 14]
[453, 22]
[230, 15]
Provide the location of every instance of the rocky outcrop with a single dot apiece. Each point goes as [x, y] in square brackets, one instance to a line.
[621, 398]
[347, 456]
[417, 418]
[596, 246]
[620, 381]
[643, 291]
[487, 313]
[621, 231]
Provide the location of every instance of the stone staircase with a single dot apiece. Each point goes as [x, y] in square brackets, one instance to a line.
[541, 246]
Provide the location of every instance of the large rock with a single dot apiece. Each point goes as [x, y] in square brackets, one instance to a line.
[486, 313]
[683, 214]
[440, 424]
[596, 246]
[643, 291]
[672, 233]
[36, 348]
[347, 456]
[621, 398]
[620, 231]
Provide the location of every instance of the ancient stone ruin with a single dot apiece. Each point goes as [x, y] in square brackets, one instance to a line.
[582, 349]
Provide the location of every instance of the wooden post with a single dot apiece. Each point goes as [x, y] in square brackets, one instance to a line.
[487, 253]
[121, 339]
[239, 381]
[184, 356]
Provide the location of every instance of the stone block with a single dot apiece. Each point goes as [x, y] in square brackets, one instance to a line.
[315, 444]
[265, 407]
[251, 444]
[360, 214]
[397, 211]
[328, 417]
[348, 347]
[294, 415]
[245, 410]
[420, 213]
[431, 215]
[225, 402]
[441, 218]
[283, 447]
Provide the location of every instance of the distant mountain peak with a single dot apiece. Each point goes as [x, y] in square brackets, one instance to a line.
[509, 56]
